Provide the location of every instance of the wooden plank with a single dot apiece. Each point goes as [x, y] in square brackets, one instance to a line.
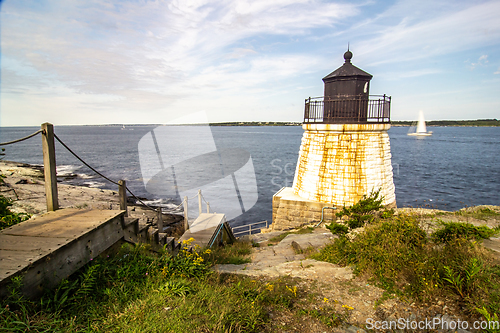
[29, 257]
[26, 243]
[55, 229]
[201, 238]
[13, 261]
[69, 215]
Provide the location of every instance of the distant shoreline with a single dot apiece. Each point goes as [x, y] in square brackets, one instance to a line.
[396, 123]
[456, 123]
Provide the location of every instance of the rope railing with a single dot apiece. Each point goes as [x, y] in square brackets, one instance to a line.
[109, 179]
[81, 160]
[158, 210]
[21, 139]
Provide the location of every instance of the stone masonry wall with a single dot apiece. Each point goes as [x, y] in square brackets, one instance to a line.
[339, 163]
[290, 211]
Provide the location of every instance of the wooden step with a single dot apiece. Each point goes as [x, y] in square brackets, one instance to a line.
[130, 229]
[131, 221]
[170, 244]
[153, 235]
[162, 237]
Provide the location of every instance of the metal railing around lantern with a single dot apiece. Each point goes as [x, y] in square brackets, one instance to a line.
[349, 109]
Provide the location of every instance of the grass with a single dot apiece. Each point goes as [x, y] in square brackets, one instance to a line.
[135, 290]
[480, 213]
[237, 254]
[138, 291]
[402, 258]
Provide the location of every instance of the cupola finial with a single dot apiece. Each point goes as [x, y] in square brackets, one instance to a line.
[348, 54]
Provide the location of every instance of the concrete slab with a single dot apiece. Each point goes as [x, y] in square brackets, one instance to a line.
[206, 221]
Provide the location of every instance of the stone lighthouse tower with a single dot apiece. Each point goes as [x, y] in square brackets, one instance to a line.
[345, 150]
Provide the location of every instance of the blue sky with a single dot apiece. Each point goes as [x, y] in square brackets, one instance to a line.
[131, 62]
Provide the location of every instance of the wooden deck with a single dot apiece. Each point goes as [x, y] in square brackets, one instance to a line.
[209, 229]
[48, 248]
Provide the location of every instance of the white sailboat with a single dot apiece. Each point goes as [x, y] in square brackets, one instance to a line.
[421, 128]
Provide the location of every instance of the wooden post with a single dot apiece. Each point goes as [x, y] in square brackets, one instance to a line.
[49, 166]
[186, 221]
[160, 220]
[208, 207]
[122, 192]
[199, 203]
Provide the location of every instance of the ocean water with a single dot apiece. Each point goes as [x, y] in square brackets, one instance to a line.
[454, 168]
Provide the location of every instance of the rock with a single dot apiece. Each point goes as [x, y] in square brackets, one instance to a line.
[354, 329]
[296, 247]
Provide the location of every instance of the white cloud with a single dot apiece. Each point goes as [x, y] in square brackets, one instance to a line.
[483, 60]
[448, 32]
[105, 60]
[148, 44]
[149, 53]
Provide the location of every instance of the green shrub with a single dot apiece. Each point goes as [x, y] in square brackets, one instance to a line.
[8, 218]
[338, 229]
[189, 262]
[400, 257]
[362, 212]
[454, 230]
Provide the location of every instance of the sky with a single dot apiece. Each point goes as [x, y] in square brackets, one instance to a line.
[73, 62]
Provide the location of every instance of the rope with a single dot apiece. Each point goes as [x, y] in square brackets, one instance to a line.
[78, 157]
[22, 139]
[142, 202]
[103, 176]
[91, 168]
[112, 181]
[204, 199]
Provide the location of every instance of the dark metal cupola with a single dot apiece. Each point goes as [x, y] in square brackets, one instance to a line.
[347, 98]
[347, 81]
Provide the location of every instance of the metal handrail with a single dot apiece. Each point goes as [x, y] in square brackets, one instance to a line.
[249, 226]
[348, 109]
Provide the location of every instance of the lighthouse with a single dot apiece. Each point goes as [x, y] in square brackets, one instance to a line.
[344, 154]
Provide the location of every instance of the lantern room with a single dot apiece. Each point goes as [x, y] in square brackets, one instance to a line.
[346, 99]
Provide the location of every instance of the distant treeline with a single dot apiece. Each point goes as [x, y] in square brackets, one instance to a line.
[258, 123]
[478, 122]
